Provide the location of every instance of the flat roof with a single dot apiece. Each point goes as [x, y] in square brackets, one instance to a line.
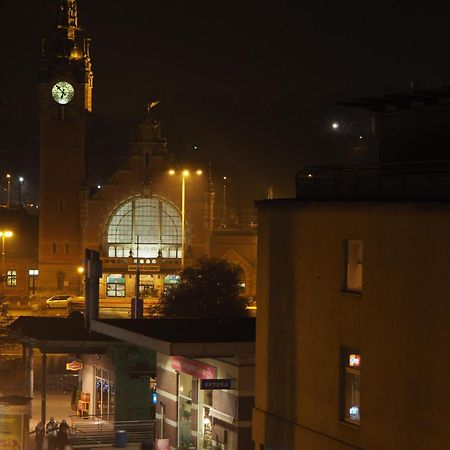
[185, 337]
[182, 337]
[57, 334]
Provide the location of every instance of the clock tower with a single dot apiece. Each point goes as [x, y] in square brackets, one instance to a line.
[65, 80]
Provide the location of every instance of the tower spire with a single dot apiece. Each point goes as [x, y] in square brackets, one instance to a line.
[67, 19]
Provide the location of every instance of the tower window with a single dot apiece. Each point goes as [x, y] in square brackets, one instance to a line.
[61, 206]
[54, 247]
[66, 247]
[147, 159]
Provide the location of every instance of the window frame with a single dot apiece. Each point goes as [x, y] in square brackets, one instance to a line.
[347, 371]
[11, 278]
[346, 282]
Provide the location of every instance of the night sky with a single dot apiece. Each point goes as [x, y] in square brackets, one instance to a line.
[252, 86]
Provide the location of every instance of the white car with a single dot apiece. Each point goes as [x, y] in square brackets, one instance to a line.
[58, 301]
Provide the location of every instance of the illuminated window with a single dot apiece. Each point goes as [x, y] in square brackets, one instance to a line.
[11, 278]
[354, 265]
[156, 222]
[115, 285]
[351, 368]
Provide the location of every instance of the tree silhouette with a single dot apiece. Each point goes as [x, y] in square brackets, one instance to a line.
[209, 290]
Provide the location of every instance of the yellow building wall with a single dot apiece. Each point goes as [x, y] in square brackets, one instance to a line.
[399, 323]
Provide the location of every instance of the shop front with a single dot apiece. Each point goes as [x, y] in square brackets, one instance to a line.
[196, 415]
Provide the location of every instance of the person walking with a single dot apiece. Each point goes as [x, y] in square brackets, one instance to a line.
[62, 438]
[39, 434]
[51, 429]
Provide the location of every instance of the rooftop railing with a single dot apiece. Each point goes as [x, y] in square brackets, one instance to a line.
[403, 182]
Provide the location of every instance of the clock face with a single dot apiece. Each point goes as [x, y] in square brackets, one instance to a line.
[62, 92]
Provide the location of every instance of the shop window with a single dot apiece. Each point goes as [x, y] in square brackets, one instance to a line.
[115, 285]
[11, 278]
[184, 409]
[147, 286]
[350, 386]
[205, 419]
[170, 281]
[353, 265]
[104, 394]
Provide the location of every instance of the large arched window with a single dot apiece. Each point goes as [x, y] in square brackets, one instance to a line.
[146, 226]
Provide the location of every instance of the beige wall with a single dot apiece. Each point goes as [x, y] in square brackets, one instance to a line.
[399, 323]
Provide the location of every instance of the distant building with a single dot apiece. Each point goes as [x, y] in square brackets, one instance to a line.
[353, 306]
[135, 217]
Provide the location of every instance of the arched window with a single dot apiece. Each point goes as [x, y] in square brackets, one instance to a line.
[154, 222]
[115, 285]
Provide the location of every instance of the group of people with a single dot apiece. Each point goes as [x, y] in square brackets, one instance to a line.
[57, 434]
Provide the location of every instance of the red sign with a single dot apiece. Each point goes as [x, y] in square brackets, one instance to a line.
[194, 368]
[74, 365]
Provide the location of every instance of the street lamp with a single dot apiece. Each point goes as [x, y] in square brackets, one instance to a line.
[21, 180]
[8, 180]
[80, 270]
[184, 174]
[4, 234]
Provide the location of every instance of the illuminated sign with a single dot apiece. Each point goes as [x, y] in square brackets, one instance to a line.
[74, 366]
[354, 360]
[194, 368]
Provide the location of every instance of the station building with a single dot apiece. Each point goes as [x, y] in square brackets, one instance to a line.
[141, 216]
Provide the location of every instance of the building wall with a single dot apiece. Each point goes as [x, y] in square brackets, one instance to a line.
[237, 247]
[398, 323]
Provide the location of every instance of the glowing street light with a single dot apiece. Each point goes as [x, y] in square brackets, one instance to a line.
[335, 125]
[184, 174]
[4, 234]
[21, 180]
[8, 180]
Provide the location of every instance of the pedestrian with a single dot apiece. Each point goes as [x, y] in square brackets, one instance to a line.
[39, 434]
[51, 429]
[62, 438]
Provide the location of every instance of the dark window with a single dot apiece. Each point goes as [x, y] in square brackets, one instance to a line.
[60, 280]
[54, 247]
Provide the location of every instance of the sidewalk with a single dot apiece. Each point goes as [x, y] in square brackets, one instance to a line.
[58, 407]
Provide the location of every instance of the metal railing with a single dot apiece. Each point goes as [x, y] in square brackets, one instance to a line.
[97, 432]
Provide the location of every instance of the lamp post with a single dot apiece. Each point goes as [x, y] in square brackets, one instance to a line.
[184, 174]
[8, 190]
[21, 180]
[80, 271]
[4, 234]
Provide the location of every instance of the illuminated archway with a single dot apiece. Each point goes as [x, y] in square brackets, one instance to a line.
[145, 227]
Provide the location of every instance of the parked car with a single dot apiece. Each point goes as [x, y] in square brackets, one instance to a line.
[58, 301]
